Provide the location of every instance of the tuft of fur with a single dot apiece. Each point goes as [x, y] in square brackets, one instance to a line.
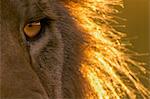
[107, 65]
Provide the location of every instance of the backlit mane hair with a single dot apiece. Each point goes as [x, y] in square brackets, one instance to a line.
[107, 65]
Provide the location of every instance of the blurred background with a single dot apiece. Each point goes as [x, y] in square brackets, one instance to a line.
[137, 13]
[137, 25]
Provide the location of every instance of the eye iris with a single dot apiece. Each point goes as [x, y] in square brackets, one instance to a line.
[32, 29]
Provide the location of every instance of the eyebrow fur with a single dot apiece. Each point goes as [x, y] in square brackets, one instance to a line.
[46, 10]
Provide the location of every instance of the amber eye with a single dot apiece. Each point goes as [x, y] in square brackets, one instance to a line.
[32, 29]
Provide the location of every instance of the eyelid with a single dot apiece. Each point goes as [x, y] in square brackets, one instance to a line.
[40, 18]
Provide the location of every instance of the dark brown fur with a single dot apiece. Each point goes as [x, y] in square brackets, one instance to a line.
[46, 68]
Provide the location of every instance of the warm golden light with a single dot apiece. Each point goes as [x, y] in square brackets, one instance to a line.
[106, 66]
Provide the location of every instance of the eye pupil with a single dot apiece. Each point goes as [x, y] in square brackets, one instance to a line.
[30, 25]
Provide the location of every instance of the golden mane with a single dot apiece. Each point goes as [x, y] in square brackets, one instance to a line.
[107, 62]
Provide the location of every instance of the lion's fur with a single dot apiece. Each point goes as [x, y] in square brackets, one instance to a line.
[80, 56]
[106, 58]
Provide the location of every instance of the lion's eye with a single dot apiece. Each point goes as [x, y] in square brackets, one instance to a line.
[32, 29]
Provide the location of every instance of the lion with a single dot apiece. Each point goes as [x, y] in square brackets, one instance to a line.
[66, 49]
